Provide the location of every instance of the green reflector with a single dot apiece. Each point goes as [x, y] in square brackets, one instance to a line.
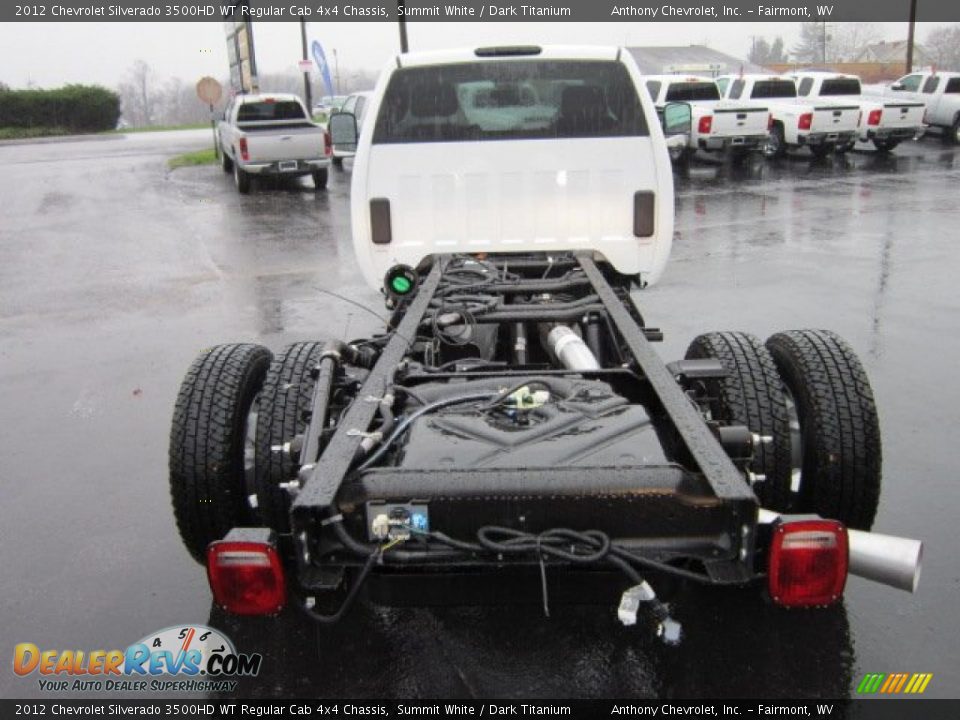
[401, 284]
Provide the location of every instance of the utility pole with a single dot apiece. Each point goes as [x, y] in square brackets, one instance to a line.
[306, 76]
[910, 33]
[336, 70]
[402, 20]
[823, 54]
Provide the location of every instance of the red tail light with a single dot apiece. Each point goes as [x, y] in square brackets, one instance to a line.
[874, 117]
[770, 122]
[244, 152]
[327, 143]
[246, 577]
[808, 563]
[705, 125]
[805, 121]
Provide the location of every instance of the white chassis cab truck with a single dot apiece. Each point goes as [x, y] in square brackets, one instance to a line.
[272, 135]
[512, 420]
[885, 123]
[824, 126]
[717, 125]
[938, 91]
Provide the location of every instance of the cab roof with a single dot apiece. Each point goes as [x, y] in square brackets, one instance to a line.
[508, 52]
[679, 78]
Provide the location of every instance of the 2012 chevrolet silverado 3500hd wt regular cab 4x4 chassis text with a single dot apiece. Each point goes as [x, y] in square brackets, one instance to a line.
[513, 420]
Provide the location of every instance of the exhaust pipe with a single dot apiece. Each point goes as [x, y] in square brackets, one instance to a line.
[887, 559]
[570, 349]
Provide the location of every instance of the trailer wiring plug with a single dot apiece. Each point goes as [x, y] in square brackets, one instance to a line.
[668, 629]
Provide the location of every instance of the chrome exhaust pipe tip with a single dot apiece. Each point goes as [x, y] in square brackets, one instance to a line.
[893, 561]
[887, 559]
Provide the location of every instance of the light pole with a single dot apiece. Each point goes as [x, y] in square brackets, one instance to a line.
[402, 20]
[910, 33]
[306, 75]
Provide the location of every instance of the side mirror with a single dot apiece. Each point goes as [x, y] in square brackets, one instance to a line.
[898, 87]
[677, 119]
[343, 130]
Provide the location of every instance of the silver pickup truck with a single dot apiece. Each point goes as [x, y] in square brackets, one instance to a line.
[272, 135]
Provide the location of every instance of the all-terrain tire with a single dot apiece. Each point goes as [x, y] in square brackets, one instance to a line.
[285, 400]
[320, 178]
[822, 151]
[242, 179]
[337, 162]
[840, 430]
[885, 146]
[776, 145]
[752, 395]
[207, 442]
[225, 162]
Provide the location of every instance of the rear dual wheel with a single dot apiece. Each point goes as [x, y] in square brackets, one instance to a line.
[211, 443]
[751, 395]
[839, 430]
[808, 392]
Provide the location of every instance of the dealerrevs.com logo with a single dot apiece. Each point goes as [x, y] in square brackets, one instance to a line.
[187, 658]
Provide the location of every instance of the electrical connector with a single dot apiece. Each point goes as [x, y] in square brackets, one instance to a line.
[669, 631]
[630, 602]
[380, 526]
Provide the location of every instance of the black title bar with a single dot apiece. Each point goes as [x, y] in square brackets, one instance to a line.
[876, 709]
[475, 11]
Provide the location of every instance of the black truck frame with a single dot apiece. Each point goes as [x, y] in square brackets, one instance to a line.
[701, 511]
[514, 418]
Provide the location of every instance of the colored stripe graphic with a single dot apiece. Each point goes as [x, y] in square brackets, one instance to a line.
[894, 683]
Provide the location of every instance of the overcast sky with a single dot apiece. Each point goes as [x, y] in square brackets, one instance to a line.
[51, 54]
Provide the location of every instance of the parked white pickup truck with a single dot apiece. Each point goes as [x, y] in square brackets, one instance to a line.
[272, 135]
[717, 125]
[823, 125]
[939, 91]
[884, 123]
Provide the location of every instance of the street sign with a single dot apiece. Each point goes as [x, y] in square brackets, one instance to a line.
[209, 91]
[305, 66]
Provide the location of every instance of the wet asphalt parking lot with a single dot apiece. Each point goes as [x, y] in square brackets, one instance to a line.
[115, 273]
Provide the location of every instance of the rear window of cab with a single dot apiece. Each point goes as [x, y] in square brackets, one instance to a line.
[270, 110]
[509, 100]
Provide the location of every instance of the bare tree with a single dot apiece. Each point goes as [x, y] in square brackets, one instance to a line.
[847, 40]
[810, 48]
[138, 95]
[943, 47]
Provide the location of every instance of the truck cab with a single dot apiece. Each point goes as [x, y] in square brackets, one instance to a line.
[557, 149]
[885, 124]
[825, 126]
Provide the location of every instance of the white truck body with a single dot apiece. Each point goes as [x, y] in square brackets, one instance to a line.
[885, 123]
[823, 125]
[586, 167]
[717, 124]
[938, 91]
[272, 134]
